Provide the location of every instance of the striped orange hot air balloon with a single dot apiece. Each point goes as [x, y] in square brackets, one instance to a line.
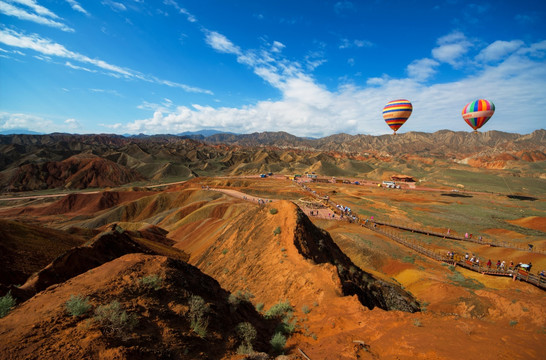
[477, 113]
[396, 113]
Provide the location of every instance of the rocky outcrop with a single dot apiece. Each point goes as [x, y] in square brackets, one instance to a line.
[316, 244]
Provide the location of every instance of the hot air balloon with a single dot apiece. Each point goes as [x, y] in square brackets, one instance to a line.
[477, 113]
[396, 113]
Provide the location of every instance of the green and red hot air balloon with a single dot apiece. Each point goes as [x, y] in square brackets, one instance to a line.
[477, 113]
[396, 113]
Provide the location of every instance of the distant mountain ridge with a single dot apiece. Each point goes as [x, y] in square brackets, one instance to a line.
[20, 131]
[29, 162]
[440, 141]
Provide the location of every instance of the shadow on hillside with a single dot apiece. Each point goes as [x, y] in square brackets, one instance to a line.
[457, 195]
[521, 197]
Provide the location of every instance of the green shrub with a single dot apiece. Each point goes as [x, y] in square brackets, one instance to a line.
[513, 323]
[198, 319]
[278, 341]
[287, 326]
[277, 230]
[280, 309]
[417, 322]
[224, 251]
[305, 309]
[114, 320]
[6, 303]
[151, 282]
[284, 312]
[424, 306]
[77, 305]
[235, 299]
[247, 333]
[273, 211]
[459, 279]
[259, 307]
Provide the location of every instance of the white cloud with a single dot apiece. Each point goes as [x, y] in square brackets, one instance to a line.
[75, 67]
[537, 50]
[72, 124]
[10, 121]
[38, 9]
[49, 48]
[220, 43]
[499, 50]
[116, 6]
[452, 48]
[346, 43]
[43, 58]
[115, 126]
[422, 69]
[191, 18]
[19, 13]
[173, 84]
[74, 4]
[46, 47]
[181, 10]
[277, 47]
[106, 91]
[449, 53]
[307, 108]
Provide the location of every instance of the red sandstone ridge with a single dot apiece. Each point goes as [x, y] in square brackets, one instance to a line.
[500, 161]
[76, 204]
[77, 172]
[25, 249]
[297, 260]
[41, 328]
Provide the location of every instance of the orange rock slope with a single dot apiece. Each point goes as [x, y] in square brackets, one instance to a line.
[268, 254]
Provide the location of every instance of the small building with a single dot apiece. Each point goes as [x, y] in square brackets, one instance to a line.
[403, 178]
[322, 180]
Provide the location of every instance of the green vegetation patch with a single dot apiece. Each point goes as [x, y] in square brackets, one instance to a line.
[77, 305]
[199, 321]
[278, 342]
[151, 282]
[6, 303]
[247, 333]
[458, 279]
[115, 321]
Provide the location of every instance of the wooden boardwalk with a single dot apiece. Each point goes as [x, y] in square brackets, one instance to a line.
[520, 274]
[378, 226]
[475, 240]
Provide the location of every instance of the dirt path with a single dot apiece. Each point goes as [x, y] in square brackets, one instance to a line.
[241, 195]
[77, 192]
[324, 213]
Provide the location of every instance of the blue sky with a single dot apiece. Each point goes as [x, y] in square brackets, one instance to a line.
[309, 67]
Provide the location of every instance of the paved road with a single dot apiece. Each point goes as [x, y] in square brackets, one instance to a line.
[30, 197]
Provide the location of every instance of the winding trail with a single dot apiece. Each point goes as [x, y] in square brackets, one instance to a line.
[520, 274]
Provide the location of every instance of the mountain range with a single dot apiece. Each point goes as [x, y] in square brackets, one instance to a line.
[31, 162]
